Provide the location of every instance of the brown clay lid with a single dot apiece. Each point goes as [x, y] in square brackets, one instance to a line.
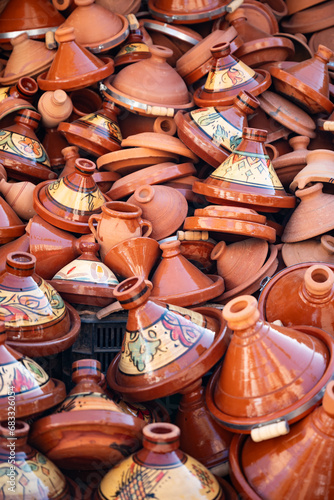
[313, 250]
[319, 168]
[73, 67]
[182, 33]
[296, 6]
[310, 20]
[261, 14]
[123, 7]
[297, 157]
[230, 212]
[172, 11]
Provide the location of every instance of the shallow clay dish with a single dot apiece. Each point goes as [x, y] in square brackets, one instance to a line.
[156, 174]
[239, 213]
[310, 20]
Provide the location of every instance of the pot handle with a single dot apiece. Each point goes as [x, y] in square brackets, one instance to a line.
[148, 225]
[94, 218]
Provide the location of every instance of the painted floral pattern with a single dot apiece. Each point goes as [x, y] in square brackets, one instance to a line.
[20, 145]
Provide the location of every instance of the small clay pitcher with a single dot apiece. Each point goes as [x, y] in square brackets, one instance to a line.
[118, 221]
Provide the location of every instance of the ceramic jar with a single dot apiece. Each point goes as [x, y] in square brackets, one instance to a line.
[118, 221]
[54, 107]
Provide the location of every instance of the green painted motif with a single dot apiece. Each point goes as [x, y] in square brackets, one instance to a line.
[215, 126]
[20, 145]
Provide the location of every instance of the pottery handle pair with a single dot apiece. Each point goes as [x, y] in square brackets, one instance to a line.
[94, 218]
[146, 223]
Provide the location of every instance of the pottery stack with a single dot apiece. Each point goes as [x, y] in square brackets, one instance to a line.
[167, 248]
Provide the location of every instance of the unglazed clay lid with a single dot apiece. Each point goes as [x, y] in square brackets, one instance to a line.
[297, 157]
[175, 361]
[28, 58]
[287, 113]
[150, 86]
[312, 250]
[32, 387]
[11, 226]
[87, 409]
[311, 19]
[261, 15]
[305, 360]
[95, 27]
[123, 7]
[294, 6]
[319, 168]
[172, 11]
[35, 17]
[73, 67]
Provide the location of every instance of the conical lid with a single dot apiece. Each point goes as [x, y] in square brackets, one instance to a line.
[227, 77]
[184, 12]
[278, 370]
[96, 27]
[11, 226]
[281, 467]
[313, 215]
[319, 168]
[177, 281]
[32, 387]
[165, 347]
[73, 67]
[247, 176]
[35, 17]
[312, 250]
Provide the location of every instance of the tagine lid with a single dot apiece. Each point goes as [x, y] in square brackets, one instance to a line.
[195, 12]
[32, 387]
[73, 67]
[319, 167]
[305, 358]
[11, 225]
[182, 33]
[310, 20]
[312, 250]
[142, 378]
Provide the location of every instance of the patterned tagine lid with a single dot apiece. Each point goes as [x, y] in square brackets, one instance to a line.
[68, 202]
[299, 466]
[227, 77]
[27, 473]
[86, 280]
[133, 49]
[21, 153]
[166, 347]
[247, 177]
[160, 470]
[88, 428]
[26, 380]
[271, 375]
[31, 308]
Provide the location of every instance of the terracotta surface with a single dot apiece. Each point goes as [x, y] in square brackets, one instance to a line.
[132, 124]
[230, 212]
[19, 96]
[11, 225]
[312, 250]
[142, 377]
[198, 252]
[54, 107]
[54, 142]
[132, 50]
[262, 394]
[288, 165]
[177, 281]
[70, 154]
[19, 195]
[21, 243]
[259, 14]
[302, 294]
[186, 12]
[107, 434]
[294, 6]
[319, 168]
[117, 222]
[312, 19]
[163, 206]
[85, 101]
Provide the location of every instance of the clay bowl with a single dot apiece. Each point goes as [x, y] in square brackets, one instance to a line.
[80, 292]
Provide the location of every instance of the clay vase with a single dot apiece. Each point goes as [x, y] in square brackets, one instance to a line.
[21, 153]
[118, 221]
[133, 49]
[150, 86]
[309, 251]
[52, 247]
[194, 419]
[133, 257]
[97, 133]
[307, 82]
[287, 467]
[70, 201]
[165, 207]
[19, 195]
[247, 177]
[313, 215]
[31, 386]
[19, 96]
[186, 12]
[54, 107]
[239, 261]
[107, 434]
[28, 58]
[11, 226]
[300, 295]
[70, 154]
[177, 281]
[165, 348]
[212, 133]
[287, 369]
[86, 280]
[319, 167]
[227, 77]
[288, 165]
[73, 67]
[33, 473]
[95, 27]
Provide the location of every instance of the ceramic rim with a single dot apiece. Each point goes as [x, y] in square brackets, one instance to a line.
[184, 18]
[113, 41]
[172, 31]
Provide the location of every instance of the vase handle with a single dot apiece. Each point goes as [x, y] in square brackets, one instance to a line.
[94, 218]
[148, 225]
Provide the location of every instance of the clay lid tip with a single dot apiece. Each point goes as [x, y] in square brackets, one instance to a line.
[241, 312]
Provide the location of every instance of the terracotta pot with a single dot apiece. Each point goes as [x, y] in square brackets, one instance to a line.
[301, 295]
[133, 257]
[163, 206]
[309, 251]
[186, 12]
[20, 244]
[177, 281]
[21, 152]
[54, 142]
[118, 221]
[11, 225]
[70, 155]
[32, 387]
[19, 96]
[311, 217]
[148, 374]
[260, 188]
[39, 475]
[313, 432]
[319, 167]
[85, 101]
[268, 351]
[288, 165]
[54, 107]
[311, 19]
[19, 195]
